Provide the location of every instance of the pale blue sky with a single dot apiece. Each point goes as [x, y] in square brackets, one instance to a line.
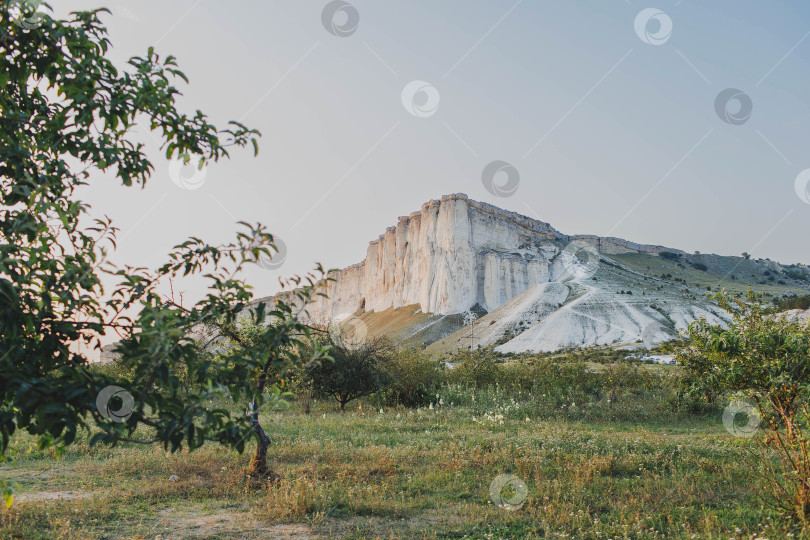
[610, 135]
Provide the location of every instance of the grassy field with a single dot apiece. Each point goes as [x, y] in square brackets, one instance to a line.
[631, 470]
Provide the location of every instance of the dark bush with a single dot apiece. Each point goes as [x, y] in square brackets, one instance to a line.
[358, 370]
[480, 368]
[415, 377]
[797, 302]
[797, 274]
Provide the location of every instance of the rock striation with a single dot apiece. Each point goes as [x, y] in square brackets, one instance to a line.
[455, 253]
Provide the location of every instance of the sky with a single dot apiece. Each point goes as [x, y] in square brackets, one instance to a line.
[614, 115]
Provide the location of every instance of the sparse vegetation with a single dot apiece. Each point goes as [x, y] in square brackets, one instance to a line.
[797, 274]
[796, 302]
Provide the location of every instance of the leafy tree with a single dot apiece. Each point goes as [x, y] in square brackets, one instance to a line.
[767, 357]
[68, 112]
[479, 367]
[415, 376]
[746, 255]
[356, 369]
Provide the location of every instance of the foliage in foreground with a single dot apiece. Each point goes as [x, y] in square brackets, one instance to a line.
[68, 112]
[766, 359]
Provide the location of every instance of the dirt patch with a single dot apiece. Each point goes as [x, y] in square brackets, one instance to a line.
[38, 496]
[225, 523]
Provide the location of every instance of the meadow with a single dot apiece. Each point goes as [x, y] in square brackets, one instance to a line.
[639, 466]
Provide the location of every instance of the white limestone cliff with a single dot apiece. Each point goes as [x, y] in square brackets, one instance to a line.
[452, 254]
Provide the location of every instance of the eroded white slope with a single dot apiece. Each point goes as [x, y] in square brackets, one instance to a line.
[797, 315]
[598, 319]
[600, 316]
[589, 309]
[521, 311]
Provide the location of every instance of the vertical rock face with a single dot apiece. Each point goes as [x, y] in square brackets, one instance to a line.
[452, 254]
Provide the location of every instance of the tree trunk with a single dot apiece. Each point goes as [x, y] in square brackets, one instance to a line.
[258, 463]
[306, 400]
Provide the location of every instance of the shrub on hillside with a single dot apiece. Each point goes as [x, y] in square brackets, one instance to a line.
[797, 274]
[798, 302]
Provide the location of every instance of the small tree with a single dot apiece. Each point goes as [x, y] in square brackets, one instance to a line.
[68, 113]
[414, 376]
[477, 367]
[271, 344]
[469, 319]
[357, 369]
[767, 357]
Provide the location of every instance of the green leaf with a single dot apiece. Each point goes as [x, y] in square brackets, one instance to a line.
[8, 494]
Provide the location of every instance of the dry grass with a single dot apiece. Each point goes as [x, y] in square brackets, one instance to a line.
[407, 474]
